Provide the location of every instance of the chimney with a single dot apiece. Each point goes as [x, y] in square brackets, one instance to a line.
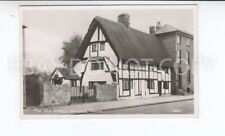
[151, 30]
[158, 26]
[124, 19]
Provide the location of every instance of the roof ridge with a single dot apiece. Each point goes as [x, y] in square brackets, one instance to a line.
[122, 25]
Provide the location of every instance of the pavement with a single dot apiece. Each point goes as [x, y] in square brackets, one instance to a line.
[95, 107]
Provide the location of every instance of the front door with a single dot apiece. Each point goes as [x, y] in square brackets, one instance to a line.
[160, 87]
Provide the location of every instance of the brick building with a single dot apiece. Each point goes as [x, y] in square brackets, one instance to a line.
[180, 47]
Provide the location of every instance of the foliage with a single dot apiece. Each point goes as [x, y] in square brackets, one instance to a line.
[70, 48]
[46, 76]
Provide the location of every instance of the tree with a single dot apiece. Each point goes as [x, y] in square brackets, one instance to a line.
[70, 48]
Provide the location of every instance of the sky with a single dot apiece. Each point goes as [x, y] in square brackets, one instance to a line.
[49, 26]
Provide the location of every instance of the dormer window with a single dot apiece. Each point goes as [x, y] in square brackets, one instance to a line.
[94, 48]
[102, 46]
[178, 39]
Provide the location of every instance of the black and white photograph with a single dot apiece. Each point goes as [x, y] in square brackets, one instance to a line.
[109, 60]
[115, 68]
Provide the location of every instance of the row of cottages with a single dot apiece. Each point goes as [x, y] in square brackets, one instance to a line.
[113, 52]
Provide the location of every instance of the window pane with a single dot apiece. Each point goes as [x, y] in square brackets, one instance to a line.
[94, 48]
[178, 39]
[97, 66]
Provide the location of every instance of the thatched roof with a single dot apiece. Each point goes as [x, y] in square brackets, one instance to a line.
[127, 43]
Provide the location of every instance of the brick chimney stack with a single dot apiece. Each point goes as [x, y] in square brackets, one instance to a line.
[151, 30]
[124, 19]
[158, 26]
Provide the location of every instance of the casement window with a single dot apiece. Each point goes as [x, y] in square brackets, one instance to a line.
[150, 84]
[94, 48]
[73, 83]
[127, 85]
[102, 46]
[165, 85]
[91, 85]
[189, 76]
[113, 74]
[178, 39]
[97, 66]
[179, 56]
[188, 57]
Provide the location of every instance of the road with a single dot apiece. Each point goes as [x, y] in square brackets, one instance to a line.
[182, 107]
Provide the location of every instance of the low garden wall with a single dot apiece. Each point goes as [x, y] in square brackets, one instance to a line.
[62, 94]
[106, 92]
[56, 95]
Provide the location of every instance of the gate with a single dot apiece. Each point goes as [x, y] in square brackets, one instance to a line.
[83, 94]
[33, 90]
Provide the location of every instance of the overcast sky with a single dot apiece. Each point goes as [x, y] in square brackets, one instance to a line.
[48, 27]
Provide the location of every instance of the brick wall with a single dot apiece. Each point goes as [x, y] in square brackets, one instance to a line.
[56, 95]
[106, 92]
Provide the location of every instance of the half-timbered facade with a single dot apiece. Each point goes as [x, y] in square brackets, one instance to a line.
[113, 52]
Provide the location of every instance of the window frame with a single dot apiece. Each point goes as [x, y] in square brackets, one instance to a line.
[166, 85]
[179, 56]
[100, 66]
[127, 84]
[94, 49]
[150, 84]
[178, 39]
[188, 57]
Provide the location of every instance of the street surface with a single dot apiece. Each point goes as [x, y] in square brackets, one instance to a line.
[182, 107]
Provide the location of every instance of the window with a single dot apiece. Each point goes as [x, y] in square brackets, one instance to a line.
[188, 42]
[91, 85]
[166, 85]
[94, 48]
[102, 46]
[150, 84]
[179, 78]
[188, 57]
[166, 70]
[179, 56]
[189, 77]
[97, 66]
[127, 85]
[73, 83]
[178, 39]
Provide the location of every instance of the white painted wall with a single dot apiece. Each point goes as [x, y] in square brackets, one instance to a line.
[159, 75]
[96, 75]
[108, 52]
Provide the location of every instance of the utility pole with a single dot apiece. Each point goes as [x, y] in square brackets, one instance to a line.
[24, 81]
